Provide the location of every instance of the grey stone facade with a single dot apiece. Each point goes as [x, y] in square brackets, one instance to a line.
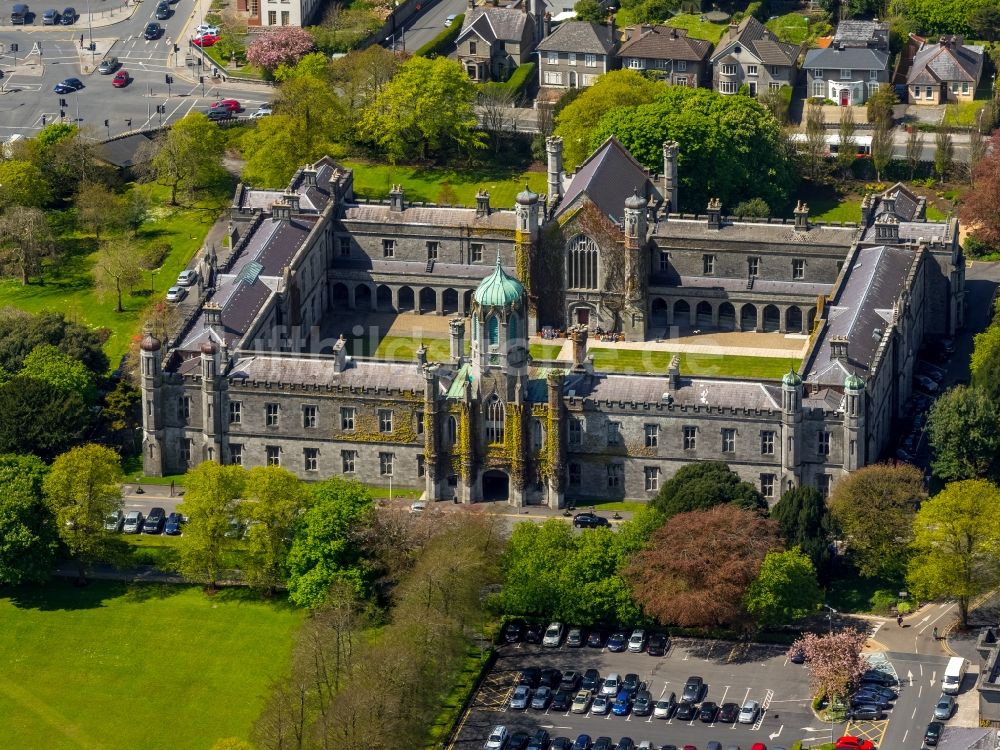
[750, 54]
[250, 379]
[575, 54]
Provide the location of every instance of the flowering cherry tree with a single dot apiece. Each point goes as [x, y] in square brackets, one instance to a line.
[287, 44]
[835, 661]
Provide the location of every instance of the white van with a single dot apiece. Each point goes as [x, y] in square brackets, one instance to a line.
[953, 674]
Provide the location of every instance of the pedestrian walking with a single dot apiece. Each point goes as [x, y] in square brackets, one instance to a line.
[899, 620]
[935, 634]
[171, 488]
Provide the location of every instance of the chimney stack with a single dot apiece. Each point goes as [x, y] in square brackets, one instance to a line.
[714, 213]
[554, 152]
[309, 175]
[281, 211]
[396, 198]
[801, 217]
[292, 199]
[867, 209]
[482, 204]
[578, 335]
[340, 354]
[674, 373]
[838, 348]
[547, 23]
[887, 228]
[213, 317]
[670, 184]
[456, 327]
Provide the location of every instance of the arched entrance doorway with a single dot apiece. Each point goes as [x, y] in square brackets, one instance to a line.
[383, 297]
[496, 485]
[682, 313]
[339, 297]
[727, 316]
[845, 97]
[793, 319]
[748, 318]
[772, 319]
[363, 297]
[703, 315]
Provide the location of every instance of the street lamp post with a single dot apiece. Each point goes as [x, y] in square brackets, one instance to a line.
[829, 617]
[90, 30]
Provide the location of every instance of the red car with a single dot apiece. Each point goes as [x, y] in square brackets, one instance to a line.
[205, 40]
[121, 79]
[847, 742]
[758, 746]
[230, 105]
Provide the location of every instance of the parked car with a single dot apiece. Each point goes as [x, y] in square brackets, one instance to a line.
[173, 525]
[933, 733]
[612, 684]
[68, 17]
[108, 66]
[625, 743]
[450, 20]
[541, 699]
[685, 711]
[533, 633]
[574, 638]
[581, 702]
[643, 703]
[133, 523]
[68, 86]
[866, 711]
[121, 79]
[570, 680]
[114, 521]
[497, 739]
[617, 642]
[205, 40]
[530, 677]
[591, 680]
[708, 712]
[152, 31]
[693, 689]
[154, 521]
[944, 708]
[539, 740]
[749, 712]
[595, 639]
[878, 677]
[264, 110]
[926, 383]
[513, 631]
[728, 712]
[600, 705]
[589, 521]
[863, 697]
[50, 17]
[561, 743]
[206, 28]
[637, 641]
[603, 743]
[549, 678]
[622, 704]
[521, 697]
[176, 294]
[884, 693]
[657, 645]
[632, 683]
[664, 707]
[187, 277]
[562, 700]
[519, 741]
[582, 742]
[553, 635]
[849, 742]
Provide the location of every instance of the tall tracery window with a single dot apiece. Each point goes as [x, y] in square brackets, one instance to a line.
[582, 260]
[493, 330]
[494, 420]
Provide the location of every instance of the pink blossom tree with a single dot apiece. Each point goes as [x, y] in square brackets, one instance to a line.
[835, 661]
[284, 45]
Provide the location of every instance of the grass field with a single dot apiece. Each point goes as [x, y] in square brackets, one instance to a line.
[796, 28]
[962, 113]
[120, 667]
[628, 506]
[545, 351]
[68, 285]
[443, 185]
[637, 360]
[698, 29]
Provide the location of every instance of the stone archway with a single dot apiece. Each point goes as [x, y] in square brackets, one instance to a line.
[682, 313]
[658, 312]
[496, 485]
[405, 299]
[467, 301]
[449, 301]
[772, 319]
[428, 300]
[748, 318]
[703, 315]
[339, 297]
[812, 319]
[727, 316]
[383, 298]
[363, 297]
[793, 319]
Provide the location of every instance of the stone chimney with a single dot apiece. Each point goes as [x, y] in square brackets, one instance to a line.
[887, 228]
[213, 317]
[673, 32]
[674, 373]
[482, 204]
[340, 354]
[421, 357]
[734, 28]
[292, 199]
[714, 213]
[547, 24]
[456, 327]
[472, 4]
[554, 152]
[838, 348]
[309, 175]
[281, 211]
[867, 209]
[889, 203]
[397, 200]
[670, 183]
[578, 335]
[801, 214]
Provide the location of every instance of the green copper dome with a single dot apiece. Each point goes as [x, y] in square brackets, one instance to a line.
[498, 289]
[854, 383]
[791, 378]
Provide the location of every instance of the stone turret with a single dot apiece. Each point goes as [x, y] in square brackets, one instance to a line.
[456, 328]
[554, 153]
[670, 182]
[150, 364]
[555, 440]
[855, 413]
[432, 432]
[791, 424]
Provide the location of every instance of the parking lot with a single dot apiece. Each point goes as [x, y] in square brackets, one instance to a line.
[732, 673]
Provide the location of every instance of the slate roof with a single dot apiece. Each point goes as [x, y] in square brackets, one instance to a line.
[853, 58]
[650, 389]
[580, 37]
[122, 152]
[948, 60]
[319, 371]
[664, 43]
[434, 216]
[492, 23]
[607, 177]
[402, 268]
[752, 34]
[861, 34]
[311, 198]
[760, 285]
[906, 202]
[864, 304]
[676, 230]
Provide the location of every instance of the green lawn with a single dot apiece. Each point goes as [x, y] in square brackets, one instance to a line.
[796, 28]
[962, 113]
[545, 351]
[163, 552]
[120, 667]
[443, 185]
[68, 283]
[935, 214]
[698, 29]
[638, 360]
[849, 592]
[454, 702]
[628, 506]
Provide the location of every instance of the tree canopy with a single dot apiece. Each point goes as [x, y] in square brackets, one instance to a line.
[28, 536]
[836, 661]
[702, 484]
[785, 590]
[964, 434]
[21, 332]
[210, 502]
[187, 157]
[274, 497]
[40, 418]
[978, 209]
[731, 147]
[48, 364]
[939, 16]
[805, 522]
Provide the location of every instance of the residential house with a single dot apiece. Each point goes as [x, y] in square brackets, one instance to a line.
[575, 54]
[853, 67]
[279, 12]
[946, 71]
[667, 53]
[494, 40]
[750, 54]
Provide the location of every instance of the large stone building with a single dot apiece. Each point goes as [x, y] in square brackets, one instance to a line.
[251, 379]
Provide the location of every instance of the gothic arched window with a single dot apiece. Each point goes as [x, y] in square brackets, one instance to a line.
[451, 430]
[494, 419]
[581, 261]
[493, 330]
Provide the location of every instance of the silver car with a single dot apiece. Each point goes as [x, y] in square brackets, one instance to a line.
[176, 293]
[521, 697]
[611, 685]
[187, 277]
[108, 66]
[637, 642]
[553, 635]
[133, 522]
[114, 521]
[748, 714]
[944, 708]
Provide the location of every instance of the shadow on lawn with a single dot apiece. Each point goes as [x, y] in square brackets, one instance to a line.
[244, 595]
[63, 594]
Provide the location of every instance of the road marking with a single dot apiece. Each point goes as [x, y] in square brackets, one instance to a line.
[945, 611]
[920, 691]
[774, 735]
[905, 735]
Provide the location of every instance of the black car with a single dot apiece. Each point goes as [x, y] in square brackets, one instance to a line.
[603, 743]
[518, 741]
[561, 743]
[173, 526]
[708, 712]
[562, 700]
[589, 521]
[570, 680]
[550, 678]
[882, 692]
[539, 741]
[728, 712]
[513, 632]
[864, 697]
[693, 689]
[152, 31]
[216, 115]
[685, 711]
[68, 17]
[658, 644]
[933, 733]
[798, 656]
[155, 521]
[625, 743]
[617, 642]
[50, 17]
[595, 639]
[875, 677]
[643, 703]
[631, 683]
[163, 12]
[533, 633]
[68, 86]
[591, 680]
[667, 747]
[530, 677]
[867, 711]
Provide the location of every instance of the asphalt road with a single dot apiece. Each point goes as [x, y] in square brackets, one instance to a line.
[426, 25]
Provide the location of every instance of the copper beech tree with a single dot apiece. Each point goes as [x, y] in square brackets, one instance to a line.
[697, 568]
